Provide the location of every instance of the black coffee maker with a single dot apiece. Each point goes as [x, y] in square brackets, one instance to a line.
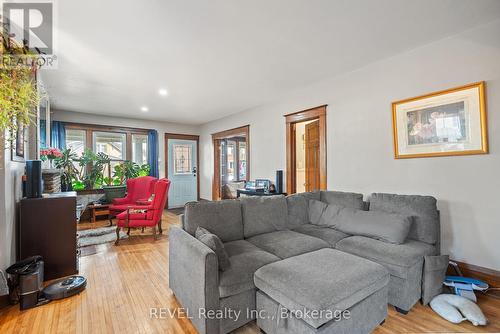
[26, 282]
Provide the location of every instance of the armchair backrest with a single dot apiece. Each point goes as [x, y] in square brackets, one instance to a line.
[140, 187]
[160, 199]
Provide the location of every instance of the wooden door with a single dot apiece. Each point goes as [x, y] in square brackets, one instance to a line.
[312, 114]
[312, 156]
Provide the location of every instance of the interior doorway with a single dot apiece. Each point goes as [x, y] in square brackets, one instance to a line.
[306, 150]
[231, 160]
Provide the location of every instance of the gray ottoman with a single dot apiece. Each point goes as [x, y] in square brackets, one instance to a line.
[326, 291]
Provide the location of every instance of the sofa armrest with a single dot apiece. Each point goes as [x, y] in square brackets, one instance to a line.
[193, 277]
[181, 220]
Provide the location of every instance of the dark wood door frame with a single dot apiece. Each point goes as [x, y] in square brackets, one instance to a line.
[292, 119]
[185, 137]
[216, 138]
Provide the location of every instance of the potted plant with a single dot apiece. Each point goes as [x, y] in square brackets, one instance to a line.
[113, 191]
[91, 169]
[18, 92]
[49, 154]
[66, 162]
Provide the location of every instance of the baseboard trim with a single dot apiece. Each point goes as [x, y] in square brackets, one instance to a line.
[490, 276]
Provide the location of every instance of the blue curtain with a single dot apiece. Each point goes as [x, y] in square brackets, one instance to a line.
[58, 135]
[153, 152]
[43, 127]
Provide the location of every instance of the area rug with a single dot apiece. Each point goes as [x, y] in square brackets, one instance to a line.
[98, 236]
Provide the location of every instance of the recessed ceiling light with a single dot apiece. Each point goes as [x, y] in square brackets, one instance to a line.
[163, 92]
[144, 109]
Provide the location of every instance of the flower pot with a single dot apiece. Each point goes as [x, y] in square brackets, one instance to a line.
[51, 180]
[112, 192]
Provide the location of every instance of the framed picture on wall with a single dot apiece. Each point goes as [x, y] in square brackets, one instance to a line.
[18, 145]
[450, 122]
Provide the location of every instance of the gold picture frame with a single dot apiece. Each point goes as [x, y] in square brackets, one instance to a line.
[445, 123]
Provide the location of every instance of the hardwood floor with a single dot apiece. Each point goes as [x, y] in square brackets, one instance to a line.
[125, 281]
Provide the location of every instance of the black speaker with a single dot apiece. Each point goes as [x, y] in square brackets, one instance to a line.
[279, 181]
[34, 179]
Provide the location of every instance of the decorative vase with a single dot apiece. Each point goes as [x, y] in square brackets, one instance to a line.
[51, 180]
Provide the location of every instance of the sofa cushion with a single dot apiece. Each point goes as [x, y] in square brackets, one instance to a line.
[245, 259]
[263, 214]
[388, 227]
[316, 209]
[324, 280]
[222, 218]
[330, 235]
[396, 258]
[310, 195]
[297, 207]
[323, 214]
[214, 243]
[423, 209]
[350, 200]
[285, 244]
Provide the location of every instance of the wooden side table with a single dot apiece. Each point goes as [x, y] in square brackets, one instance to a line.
[97, 210]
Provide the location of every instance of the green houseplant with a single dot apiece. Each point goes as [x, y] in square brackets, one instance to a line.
[66, 162]
[87, 172]
[91, 169]
[129, 170]
[19, 96]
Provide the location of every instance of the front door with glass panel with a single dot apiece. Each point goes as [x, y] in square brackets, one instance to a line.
[182, 162]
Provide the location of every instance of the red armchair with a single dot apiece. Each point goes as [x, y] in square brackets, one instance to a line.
[149, 215]
[139, 190]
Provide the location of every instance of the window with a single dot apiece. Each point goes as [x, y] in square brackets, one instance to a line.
[119, 144]
[75, 140]
[182, 159]
[140, 149]
[242, 168]
[231, 159]
[111, 143]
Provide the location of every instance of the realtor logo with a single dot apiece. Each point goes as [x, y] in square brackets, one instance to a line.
[30, 24]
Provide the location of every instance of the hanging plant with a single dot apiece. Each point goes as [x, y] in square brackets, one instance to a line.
[19, 96]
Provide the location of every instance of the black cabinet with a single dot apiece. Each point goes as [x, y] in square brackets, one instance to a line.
[47, 227]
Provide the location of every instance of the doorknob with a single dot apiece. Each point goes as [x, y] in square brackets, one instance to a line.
[194, 171]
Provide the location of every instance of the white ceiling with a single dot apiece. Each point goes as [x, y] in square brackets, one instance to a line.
[220, 57]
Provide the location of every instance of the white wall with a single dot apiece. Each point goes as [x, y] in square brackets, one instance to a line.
[10, 194]
[359, 137]
[161, 127]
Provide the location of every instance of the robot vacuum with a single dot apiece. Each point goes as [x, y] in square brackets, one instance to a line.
[65, 287]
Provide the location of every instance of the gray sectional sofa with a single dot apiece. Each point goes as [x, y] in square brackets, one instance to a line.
[394, 232]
